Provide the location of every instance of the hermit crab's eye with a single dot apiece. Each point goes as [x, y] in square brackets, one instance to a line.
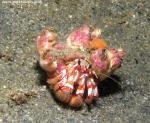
[103, 50]
[79, 61]
[90, 66]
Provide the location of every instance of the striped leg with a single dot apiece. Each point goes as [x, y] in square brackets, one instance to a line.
[61, 91]
[65, 87]
[92, 91]
[77, 99]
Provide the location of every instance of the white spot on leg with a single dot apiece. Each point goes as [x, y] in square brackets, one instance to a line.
[76, 75]
[95, 92]
[70, 78]
[69, 85]
[63, 81]
[63, 73]
[90, 91]
[79, 91]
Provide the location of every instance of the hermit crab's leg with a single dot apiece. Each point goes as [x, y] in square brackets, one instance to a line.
[65, 87]
[92, 91]
[53, 79]
[76, 101]
[58, 75]
[77, 98]
[61, 67]
[62, 95]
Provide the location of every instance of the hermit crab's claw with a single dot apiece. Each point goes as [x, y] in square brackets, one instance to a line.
[79, 38]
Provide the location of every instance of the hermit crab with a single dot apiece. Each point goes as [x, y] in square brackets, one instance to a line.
[76, 67]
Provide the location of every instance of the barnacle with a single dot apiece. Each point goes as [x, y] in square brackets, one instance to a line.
[76, 67]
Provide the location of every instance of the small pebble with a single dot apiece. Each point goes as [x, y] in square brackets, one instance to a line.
[4, 86]
[70, 16]
[133, 16]
[1, 120]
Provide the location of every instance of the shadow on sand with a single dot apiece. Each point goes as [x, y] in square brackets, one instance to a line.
[109, 86]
